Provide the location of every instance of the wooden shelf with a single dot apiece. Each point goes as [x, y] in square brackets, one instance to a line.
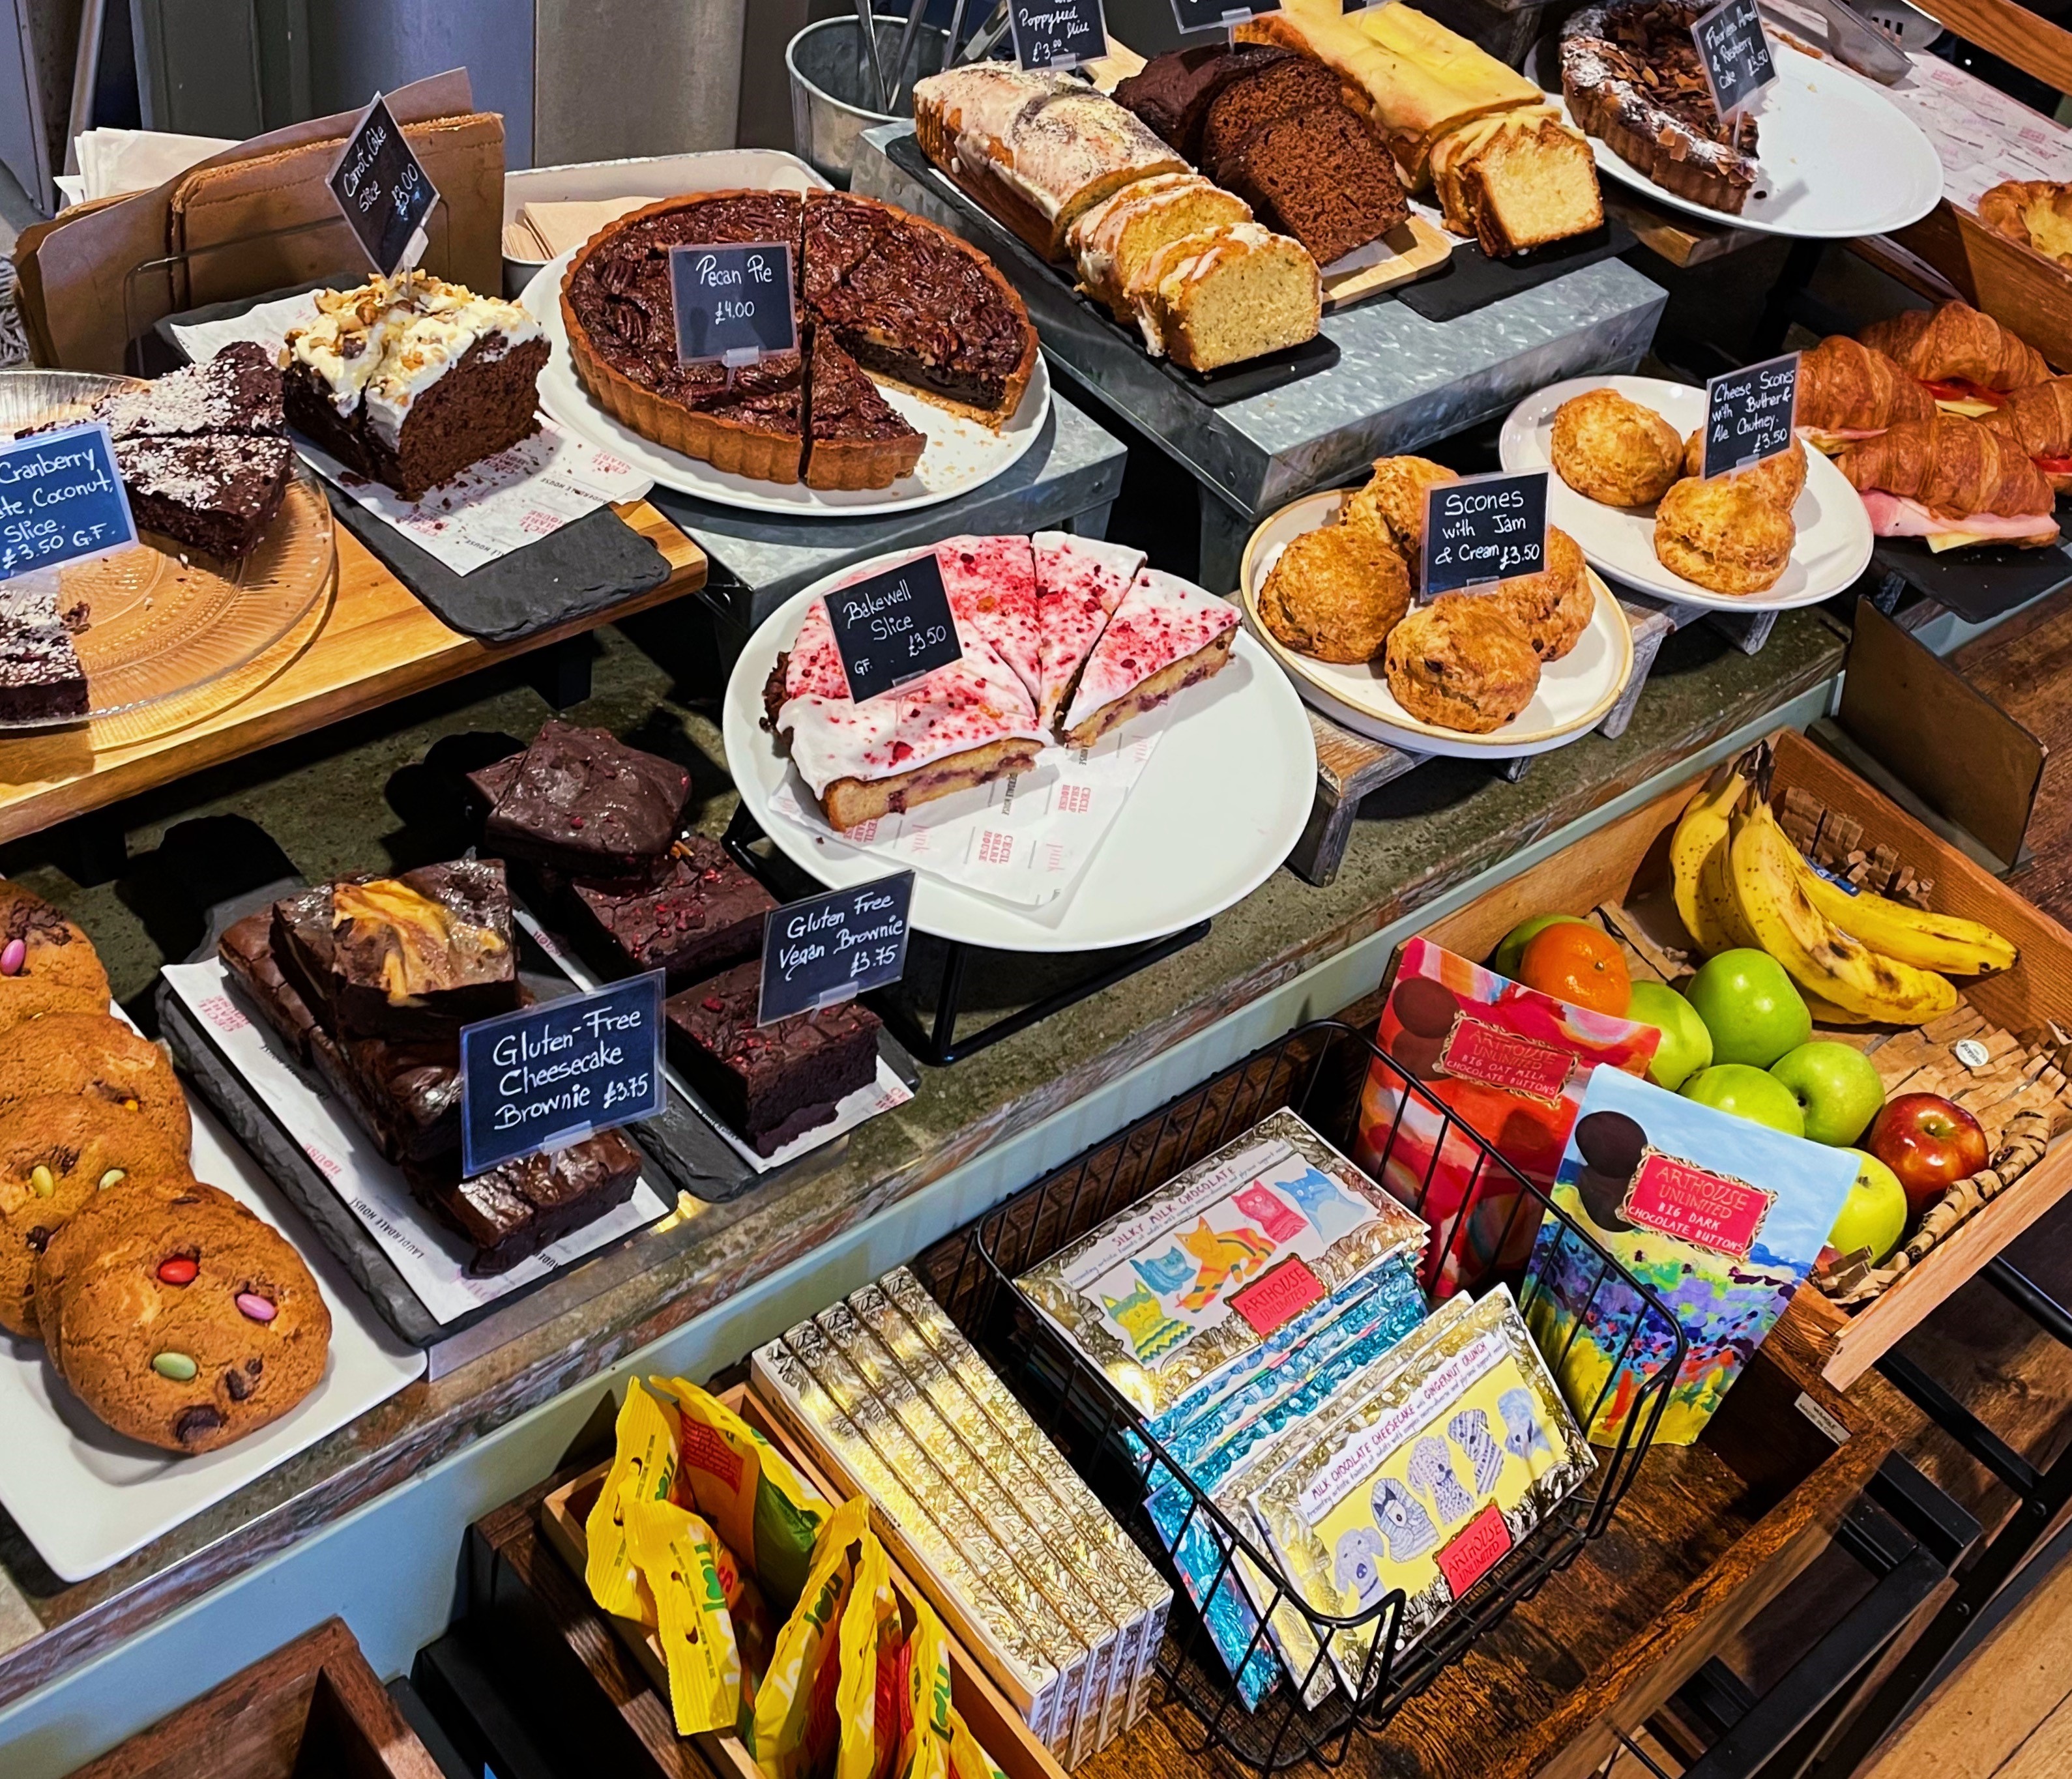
[371, 643]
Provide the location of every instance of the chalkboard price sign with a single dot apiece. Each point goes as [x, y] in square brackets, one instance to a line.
[550, 1075]
[1057, 34]
[832, 947]
[1218, 14]
[1735, 53]
[893, 627]
[734, 303]
[384, 191]
[61, 500]
[1748, 413]
[1484, 528]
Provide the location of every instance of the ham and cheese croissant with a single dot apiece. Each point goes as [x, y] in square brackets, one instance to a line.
[1850, 392]
[1956, 344]
[2039, 420]
[1953, 482]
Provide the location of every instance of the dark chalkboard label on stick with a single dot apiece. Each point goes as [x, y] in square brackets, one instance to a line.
[1218, 14]
[834, 948]
[1748, 413]
[1734, 53]
[893, 627]
[734, 305]
[1482, 528]
[384, 191]
[61, 500]
[1058, 34]
[548, 1076]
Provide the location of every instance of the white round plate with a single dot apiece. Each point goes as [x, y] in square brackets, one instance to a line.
[961, 455]
[1837, 158]
[1834, 542]
[1575, 694]
[1222, 802]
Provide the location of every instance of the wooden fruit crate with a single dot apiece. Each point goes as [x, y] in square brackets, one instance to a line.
[313, 1706]
[985, 1709]
[1622, 869]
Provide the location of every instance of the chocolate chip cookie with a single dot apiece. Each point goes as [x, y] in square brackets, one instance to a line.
[189, 1327]
[88, 1233]
[47, 965]
[56, 1153]
[97, 1058]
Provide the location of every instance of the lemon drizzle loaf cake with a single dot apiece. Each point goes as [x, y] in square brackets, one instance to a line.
[1216, 299]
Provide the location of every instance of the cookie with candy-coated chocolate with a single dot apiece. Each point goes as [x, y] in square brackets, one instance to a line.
[87, 1232]
[190, 1327]
[99, 1058]
[48, 964]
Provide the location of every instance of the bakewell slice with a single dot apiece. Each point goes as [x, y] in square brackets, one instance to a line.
[1079, 582]
[991, 583]
[1166, 635]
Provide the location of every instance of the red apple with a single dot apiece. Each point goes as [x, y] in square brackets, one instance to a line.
[1930, 1143]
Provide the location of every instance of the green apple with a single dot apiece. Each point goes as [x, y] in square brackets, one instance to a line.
[1836, 1088]
[1747, 1093]
[1511, 953]
[1874, 1214]
[1686, 1046]
[1753, 1009]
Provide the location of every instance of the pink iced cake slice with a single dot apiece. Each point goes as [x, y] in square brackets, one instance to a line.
[1166, 635]
[991, 585]
[1079, 582]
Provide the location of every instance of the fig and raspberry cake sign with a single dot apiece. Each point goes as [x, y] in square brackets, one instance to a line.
[384, 191]
[733, 302]
[1484, 528]
[835, 947]
[1748, 413]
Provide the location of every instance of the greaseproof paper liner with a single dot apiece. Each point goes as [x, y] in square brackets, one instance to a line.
[490, 509]
[1025, 839]
[432, 1259]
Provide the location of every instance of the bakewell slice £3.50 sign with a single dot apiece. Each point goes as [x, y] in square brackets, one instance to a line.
[893, 627]
[61, 500]
[1748, 413]
[835, 947]
[384, 191]
[1484, 528]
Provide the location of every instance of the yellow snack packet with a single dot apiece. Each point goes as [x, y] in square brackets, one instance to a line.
[763, 1509]
[644, 1468]
[924, 1740]
[752, 1631]
[968, 1759]
[674, 1550]
[865, 1733]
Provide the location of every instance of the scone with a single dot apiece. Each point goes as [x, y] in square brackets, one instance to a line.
[48, 964]
[1780, 479]
[1554, 606]
[85, 1235]
[56, 1155]
[1461, 663]
[1337, 592]
[1395, 500]
[188, 1327]
[1610, 449]
[1723, 534]
[98, 1058]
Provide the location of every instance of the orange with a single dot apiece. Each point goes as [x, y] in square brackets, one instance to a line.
[1580, 963]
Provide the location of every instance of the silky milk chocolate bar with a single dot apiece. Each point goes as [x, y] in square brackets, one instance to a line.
[942, 1337]
[1023, 1672]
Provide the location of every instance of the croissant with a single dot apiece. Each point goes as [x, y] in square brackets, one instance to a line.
[1953, 466]
[2036, 213]
[1845, 388]
[2039, 420]
[1956, 341]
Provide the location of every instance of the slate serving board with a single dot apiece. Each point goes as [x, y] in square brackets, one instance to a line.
[1472, 280]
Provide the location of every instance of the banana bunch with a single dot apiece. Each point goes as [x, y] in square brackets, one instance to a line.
[1861, 958]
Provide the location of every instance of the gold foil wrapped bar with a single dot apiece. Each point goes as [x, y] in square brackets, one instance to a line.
[960, 1358]
[1016, 1662]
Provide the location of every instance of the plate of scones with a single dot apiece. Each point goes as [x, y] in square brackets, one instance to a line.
[1627, 485]
[1518, 666]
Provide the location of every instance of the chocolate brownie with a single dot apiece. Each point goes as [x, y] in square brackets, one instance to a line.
[770, 1083]
[56, 1152]
[584, 801]
[42, 679]
[188, 1327]
[512, 1211]
[703, 914]
[247, 950]
[420, 953]
[96, 1058]
[47, 965]
[236, 391]
[214, 494]
[488, 783]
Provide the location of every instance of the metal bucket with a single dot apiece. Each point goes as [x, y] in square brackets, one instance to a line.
[833, 97]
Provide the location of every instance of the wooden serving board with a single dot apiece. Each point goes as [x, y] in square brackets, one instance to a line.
[1000, 1729]
[369, 642]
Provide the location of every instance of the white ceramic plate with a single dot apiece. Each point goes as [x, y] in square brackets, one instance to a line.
[1223, 801]
[1834, 542]
[961, 455]
[1575, 694]
[1837, 159]
[87, 1498]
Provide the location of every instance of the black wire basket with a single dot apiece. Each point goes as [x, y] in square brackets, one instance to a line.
[1319, 1071]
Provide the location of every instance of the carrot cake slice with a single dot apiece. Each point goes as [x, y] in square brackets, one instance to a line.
[1079, 582]
[1166, 635]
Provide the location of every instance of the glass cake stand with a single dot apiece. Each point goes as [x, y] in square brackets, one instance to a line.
[165, 623]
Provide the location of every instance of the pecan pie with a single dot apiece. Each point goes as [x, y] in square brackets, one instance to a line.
[1632, 76]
